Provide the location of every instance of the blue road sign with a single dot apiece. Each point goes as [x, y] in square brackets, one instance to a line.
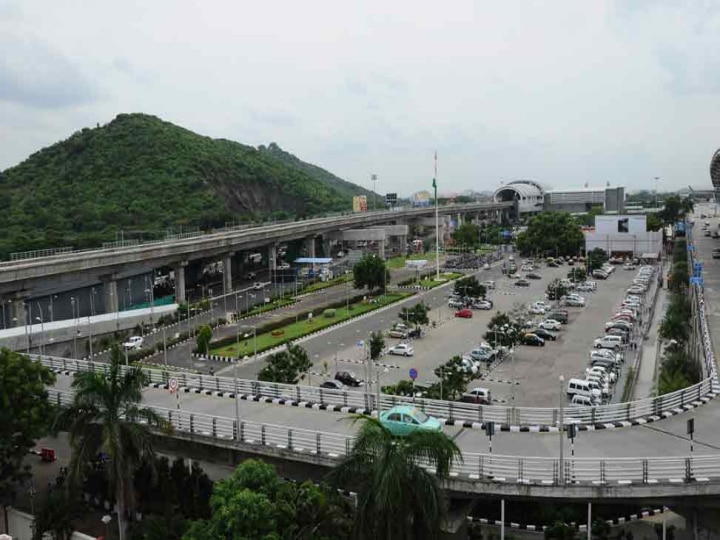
[413, 373]
[696, 280]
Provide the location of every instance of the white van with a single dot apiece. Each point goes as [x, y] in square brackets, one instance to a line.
[582, 401]
[608, 342]
[581, 387]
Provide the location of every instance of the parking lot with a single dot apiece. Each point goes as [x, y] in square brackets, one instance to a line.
[536, 369]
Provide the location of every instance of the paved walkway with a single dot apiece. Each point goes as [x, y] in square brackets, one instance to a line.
[651, 353]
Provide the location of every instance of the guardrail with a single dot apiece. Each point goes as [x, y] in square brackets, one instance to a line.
[449, 411]
[65, 252]
[473, 467]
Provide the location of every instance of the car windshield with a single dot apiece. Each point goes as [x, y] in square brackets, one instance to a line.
[420, 416]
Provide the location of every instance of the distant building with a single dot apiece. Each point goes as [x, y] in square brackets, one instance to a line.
[611, 199]
[715, 170]
[529, 195]
[532, 198]
[625, 235]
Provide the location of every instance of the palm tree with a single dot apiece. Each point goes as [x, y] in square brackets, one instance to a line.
[105, 417]
[397, 498]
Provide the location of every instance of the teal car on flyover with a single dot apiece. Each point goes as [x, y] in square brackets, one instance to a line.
[402, 420]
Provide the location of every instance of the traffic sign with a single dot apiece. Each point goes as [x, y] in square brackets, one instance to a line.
[173, 385]
[413, 373]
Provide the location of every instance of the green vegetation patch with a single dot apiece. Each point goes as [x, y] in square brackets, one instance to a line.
[304, 326]
[329, 283]
[444, 278]
[399, 262]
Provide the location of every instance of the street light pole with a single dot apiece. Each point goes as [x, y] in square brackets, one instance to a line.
[437, 225]
[561, 473]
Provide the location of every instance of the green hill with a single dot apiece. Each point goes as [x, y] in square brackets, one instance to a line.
[143, 176]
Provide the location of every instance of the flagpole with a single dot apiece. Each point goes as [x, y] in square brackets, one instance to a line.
[437, 225]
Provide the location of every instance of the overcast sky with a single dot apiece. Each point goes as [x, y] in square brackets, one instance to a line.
[561, 92]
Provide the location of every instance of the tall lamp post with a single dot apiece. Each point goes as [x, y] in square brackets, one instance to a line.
[254, 329]
[41, 320]
[374, 179]
[561, 423]
[437, 225]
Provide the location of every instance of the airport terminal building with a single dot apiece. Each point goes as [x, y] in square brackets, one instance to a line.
[533, 198]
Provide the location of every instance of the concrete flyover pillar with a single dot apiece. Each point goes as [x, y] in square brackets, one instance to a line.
[227, 271]
[381, 249]
[326, 246]
[110, 293]
[310, 246]
[403, 245]
[18, 311]
[180, 281]
[272, 259]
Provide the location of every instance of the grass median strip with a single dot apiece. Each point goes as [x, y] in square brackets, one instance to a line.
[292, 331]
[325, 284]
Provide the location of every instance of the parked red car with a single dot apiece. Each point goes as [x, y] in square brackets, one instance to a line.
[464, 313]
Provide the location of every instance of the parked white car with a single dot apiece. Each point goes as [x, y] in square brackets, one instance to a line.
[401, 349]
[550, 324]
[608, 342]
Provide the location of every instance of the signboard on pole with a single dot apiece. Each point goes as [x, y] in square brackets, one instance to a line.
[173, 385]
[391, 199]
[413, 374]
[360, 203]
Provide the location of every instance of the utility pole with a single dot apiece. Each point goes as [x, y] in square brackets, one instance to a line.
[437, 225]
[374, 179]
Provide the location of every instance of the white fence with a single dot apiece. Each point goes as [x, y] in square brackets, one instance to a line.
[449, 411]
[472, 467]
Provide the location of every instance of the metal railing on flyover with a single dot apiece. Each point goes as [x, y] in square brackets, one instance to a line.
[66, 252]
[450, 411]
[473, 467]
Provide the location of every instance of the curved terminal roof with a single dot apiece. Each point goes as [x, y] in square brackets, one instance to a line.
[528, 193]
[715, 169]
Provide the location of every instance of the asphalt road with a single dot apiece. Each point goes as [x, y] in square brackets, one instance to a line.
[662, 438]
[535, 368]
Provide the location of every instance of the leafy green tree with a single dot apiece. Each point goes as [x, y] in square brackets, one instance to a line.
[654, 222]
[204, 336]
[467, 234]
[672, 208]
[588, 220]
[60, 506]
[551, 233]
[402, 388]
[676, 323]
[370, 272]
[397, 498]
[596, 258]
[560, 531]
[24, 413]
[555, 290]
[469, 286]
[503, 331]
[286, 366]
[105, 416]
[680, 276]
[577, 274]
[454, 377]
[376, 344]
[416, 315]
[254, 503]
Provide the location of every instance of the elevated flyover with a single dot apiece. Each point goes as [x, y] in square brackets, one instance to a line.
[103, 264]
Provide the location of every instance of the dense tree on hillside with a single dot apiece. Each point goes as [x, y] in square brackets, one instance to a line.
[24, 413]
[139, 176]
[551, 233]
